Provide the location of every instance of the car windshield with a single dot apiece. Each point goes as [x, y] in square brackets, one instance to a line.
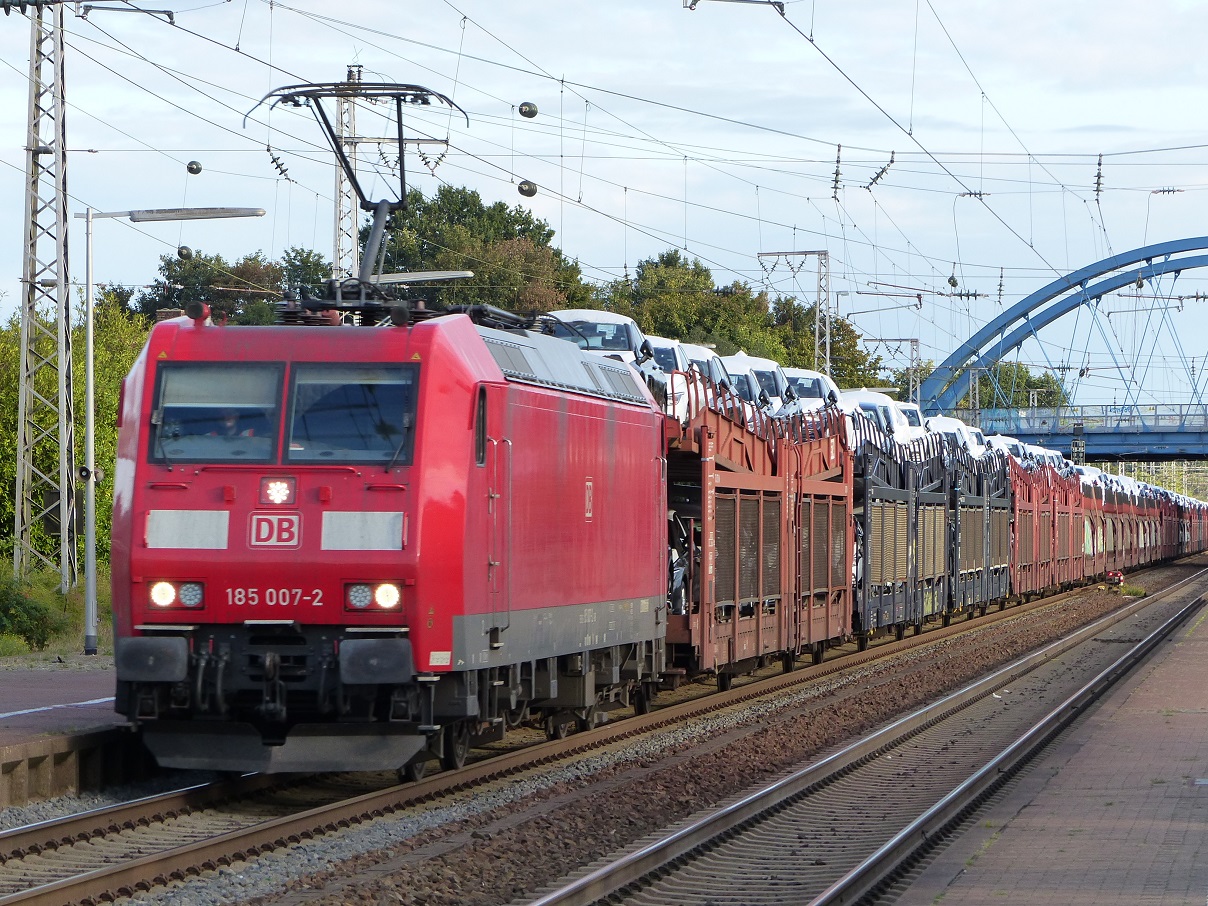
[744, 388]
[613, 337]
[809, 388]
[873, 412]
[215, 412]
[665, 356]
[912, 417]
[767, 382]
[352, 413]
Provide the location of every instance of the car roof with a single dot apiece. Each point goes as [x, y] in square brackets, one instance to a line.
[866, 396]
[591, 314]
[696, 351]
[663, 341]
[750, 362]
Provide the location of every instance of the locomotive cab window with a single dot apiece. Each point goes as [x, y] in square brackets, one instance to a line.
[211, 412]
[352, 413]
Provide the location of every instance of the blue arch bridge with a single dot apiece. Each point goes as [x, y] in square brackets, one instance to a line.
[1128, 431]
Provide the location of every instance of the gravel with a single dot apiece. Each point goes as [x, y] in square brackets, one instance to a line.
[501, 842]
[492, 846]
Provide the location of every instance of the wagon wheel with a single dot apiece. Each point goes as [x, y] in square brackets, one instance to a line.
[899, 631]
[514, 717]
[862, 641]
[641, 699]
[947, 618]
[413, 771]
[587, 720]
[918, 628]
[456, 747]
[817, 652]
[725, 681]
[788, 661]
[557, 726]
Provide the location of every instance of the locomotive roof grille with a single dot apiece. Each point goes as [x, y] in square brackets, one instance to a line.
[510, 358]
[528, 365]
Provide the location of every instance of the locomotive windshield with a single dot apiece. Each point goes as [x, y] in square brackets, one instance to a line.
[352, 413]
[215, 412]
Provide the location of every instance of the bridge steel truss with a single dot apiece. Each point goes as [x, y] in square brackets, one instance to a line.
[950, 381]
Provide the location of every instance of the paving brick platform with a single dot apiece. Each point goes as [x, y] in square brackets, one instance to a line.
[1116, 813]
[58, 731]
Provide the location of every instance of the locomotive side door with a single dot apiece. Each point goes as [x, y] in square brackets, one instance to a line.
[496, 449]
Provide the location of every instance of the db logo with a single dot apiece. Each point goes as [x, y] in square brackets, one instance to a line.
[276, 530]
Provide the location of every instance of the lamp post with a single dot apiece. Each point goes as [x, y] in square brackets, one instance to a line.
[89, 471]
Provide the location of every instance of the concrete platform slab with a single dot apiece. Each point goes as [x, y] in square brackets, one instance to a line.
[1116, 813]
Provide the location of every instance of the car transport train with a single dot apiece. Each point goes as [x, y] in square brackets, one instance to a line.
[429, 526]
[373, 535]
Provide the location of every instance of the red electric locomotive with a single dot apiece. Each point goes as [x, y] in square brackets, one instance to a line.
[362, 547]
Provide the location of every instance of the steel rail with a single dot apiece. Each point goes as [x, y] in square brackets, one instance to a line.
[923, 832]
[632, 867]
[179, 862]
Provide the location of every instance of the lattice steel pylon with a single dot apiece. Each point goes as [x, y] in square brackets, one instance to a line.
[346, 260]
[45, 506]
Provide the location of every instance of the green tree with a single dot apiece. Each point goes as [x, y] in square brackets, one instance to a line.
[118, 337]
[304, 267]
[240, 292]
[508, 249]
[671, 296]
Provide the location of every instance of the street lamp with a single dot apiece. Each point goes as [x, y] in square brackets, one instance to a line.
[89, 471]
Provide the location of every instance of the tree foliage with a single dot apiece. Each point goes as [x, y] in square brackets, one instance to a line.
[242, 292]
[671, 296]
[508, 249]
[118, 337]
[1007, 385]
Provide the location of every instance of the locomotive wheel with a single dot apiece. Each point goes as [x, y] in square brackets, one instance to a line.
[788, 661]
[817, 653]
[456, 747]
[725, 681]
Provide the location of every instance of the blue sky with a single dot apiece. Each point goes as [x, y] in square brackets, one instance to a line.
[714, 130]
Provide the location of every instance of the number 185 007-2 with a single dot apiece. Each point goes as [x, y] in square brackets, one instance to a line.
[274, 597]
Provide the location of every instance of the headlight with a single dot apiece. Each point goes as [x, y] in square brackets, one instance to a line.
[379, 596]
[163, 594]
[172, 594]
[359, 596]
[278, 491]
[386, 596]
[190, 594]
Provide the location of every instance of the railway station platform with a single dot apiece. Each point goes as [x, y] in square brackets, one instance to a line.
[58, 730]
[1116, 812]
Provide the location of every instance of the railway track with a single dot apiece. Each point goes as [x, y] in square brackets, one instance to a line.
[112, 852]
[842, 828]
